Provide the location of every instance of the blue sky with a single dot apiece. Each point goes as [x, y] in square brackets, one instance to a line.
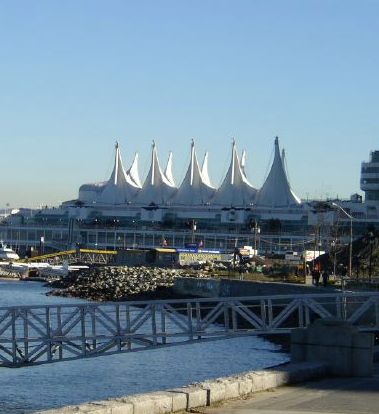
[77, 75]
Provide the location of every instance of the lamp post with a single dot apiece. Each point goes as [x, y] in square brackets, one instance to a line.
[257, 231]
[96, 222]
[334, 247]
[193, 229]
[115, 222]
[351, 235]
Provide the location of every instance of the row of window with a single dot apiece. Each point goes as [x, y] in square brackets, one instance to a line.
[370, 181]
[366, 170]
[372, 195]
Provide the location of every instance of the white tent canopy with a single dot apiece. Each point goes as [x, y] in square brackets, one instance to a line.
[168, 170]
[157, 188]
[133, 172]
[120, 188]
[124, 187]
[235, 190]
[194, 189]
[89, 193]
[276, 191]
[204, 172]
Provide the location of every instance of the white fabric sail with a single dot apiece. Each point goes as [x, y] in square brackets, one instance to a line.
[243, 161]
[235, 190]
[168, 170]
[120, 188]
[133, 172]
[205, 173]
[276, 191]
[193, 190]
[89, 193]
[157, 189]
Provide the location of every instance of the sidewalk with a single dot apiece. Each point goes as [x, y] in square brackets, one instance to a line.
[331, 396]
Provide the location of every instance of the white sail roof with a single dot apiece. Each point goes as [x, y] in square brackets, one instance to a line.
[133, 172]
[120, 188]
[235, 190]
[89, 193]
[243, 161]
[168, 170]
[276, 191]
[157, 188]
[193, 190]
[204, 172]
[93, 186]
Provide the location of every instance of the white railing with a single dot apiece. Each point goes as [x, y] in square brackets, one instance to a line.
[41, 334]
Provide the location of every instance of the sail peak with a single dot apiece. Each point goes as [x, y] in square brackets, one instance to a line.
[194, 189]
[235, 188]
[157, 188]
[276, 190]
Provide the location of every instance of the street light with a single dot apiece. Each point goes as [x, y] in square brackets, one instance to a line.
[334, 246]
[193, 229]
[257, 230]
[115, 222]
[351, 235]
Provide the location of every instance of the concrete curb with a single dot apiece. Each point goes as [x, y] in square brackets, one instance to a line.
[200, 394]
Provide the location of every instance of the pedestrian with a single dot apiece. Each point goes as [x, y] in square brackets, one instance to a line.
[317, 277]
[325, 278]
[313, 273]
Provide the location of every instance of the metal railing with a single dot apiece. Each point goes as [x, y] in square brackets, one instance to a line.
[42, 334]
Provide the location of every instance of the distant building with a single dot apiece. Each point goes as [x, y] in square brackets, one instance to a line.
[370, 178]
[122, 212]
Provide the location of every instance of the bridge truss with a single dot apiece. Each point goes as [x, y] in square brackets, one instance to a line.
[89, 256]
[42, 334]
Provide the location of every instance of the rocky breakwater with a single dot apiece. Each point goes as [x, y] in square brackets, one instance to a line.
[112, 283]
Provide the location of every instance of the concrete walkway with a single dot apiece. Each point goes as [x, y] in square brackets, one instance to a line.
[331, 395]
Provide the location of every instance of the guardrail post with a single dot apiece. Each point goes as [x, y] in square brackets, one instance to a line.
[226, 316]
[48, 335]
[264, 313]
[14, 336]
[153, 324]
[163, 324]
[189, 321]
[83, 329]
[270, 312]
[26, 334]
[198, 319]
[128, 328]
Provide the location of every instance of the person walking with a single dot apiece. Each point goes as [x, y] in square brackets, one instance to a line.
[316, 276]
[325, 278]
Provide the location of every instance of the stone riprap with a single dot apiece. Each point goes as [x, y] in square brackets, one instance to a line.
[188, 399]
[110, 283]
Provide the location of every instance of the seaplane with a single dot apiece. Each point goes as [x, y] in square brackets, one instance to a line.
[61, 271]
[44, 269]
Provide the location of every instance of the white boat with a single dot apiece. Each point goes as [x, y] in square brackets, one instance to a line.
[6, 253]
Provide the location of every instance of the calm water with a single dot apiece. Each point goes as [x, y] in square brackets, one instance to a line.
[25, 390]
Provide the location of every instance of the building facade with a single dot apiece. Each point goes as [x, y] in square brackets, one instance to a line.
[122, 212]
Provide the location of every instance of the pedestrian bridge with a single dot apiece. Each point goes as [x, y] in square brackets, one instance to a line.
[43, 334]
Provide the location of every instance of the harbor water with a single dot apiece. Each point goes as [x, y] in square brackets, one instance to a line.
[25, 390]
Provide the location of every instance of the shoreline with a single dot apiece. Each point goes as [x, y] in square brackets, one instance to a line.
[202, 394]
[13, 279]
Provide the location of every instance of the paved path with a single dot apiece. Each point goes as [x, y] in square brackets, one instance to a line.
[332, 396]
